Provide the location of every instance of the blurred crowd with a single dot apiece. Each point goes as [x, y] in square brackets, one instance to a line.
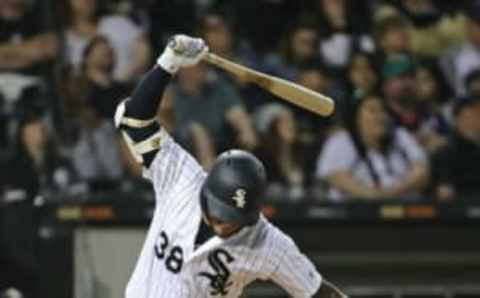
[405, 76]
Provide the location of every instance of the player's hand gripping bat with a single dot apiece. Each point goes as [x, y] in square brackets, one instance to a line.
[289, 91]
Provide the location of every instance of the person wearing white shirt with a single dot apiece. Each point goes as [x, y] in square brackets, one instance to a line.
[371, 159]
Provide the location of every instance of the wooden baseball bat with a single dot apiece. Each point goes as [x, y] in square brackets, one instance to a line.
[289, 91]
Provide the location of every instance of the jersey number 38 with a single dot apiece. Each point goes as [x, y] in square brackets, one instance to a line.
[173, 255]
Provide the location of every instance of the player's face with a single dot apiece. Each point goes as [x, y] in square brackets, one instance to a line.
[223, 229]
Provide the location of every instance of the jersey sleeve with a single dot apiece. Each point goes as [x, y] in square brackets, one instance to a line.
[172, 167]
[167, 165]
[294, 272]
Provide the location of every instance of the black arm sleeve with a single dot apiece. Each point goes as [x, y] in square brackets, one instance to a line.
[143, 105]
[146, 97]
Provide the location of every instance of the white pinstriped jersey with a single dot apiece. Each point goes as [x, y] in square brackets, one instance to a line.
[170, 266]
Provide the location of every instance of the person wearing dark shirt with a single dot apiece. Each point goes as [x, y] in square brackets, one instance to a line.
[215, 104]
[35, 169]
[104, 92]
[456, 167]
[24, 44]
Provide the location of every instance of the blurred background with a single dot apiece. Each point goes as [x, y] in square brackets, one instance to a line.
[383, 195]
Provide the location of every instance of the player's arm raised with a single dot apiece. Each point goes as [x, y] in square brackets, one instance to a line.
[136, 116]
[165, 163]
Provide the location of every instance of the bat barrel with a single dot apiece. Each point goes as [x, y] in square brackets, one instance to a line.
[289, 91]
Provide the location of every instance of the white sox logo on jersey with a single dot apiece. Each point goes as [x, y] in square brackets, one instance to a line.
[239, 197]
[219, 280]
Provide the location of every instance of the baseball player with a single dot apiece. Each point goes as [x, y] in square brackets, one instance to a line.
[207, 237]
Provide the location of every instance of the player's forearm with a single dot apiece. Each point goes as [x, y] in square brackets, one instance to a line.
[181, 51]
[147, 96]
[136, 117]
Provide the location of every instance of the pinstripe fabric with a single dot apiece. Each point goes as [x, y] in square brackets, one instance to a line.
[219, 267]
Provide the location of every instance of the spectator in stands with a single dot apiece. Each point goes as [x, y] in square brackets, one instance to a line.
[25, 45]
[420, 13]
[456, 167]
[362, 75]
[341, 32]
[399, 89]
[94, 158]
[459, 62]
[392, 36]
[267, 26]
[84, 22]
[215, 105]
[371, 159]
[221, 40]
[434, 29]
[472, 82]
[299, 46]
[96, 79]
[432, 94]
[218, 35]
[194, 136]
[278, 150]
[314, 75]
[37, 167]
[412, 94]
[310, 128]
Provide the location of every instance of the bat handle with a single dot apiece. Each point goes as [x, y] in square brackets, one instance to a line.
[238, 70]
[217, 61]
[212, 58]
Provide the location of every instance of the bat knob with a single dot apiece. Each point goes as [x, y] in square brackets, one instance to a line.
[177, 46]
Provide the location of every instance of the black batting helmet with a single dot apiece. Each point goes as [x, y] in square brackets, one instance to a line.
[234, 187]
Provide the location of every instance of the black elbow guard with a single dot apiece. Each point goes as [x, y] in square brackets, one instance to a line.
[143, 137]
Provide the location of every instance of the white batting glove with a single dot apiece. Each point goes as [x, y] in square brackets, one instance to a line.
[181, 51]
